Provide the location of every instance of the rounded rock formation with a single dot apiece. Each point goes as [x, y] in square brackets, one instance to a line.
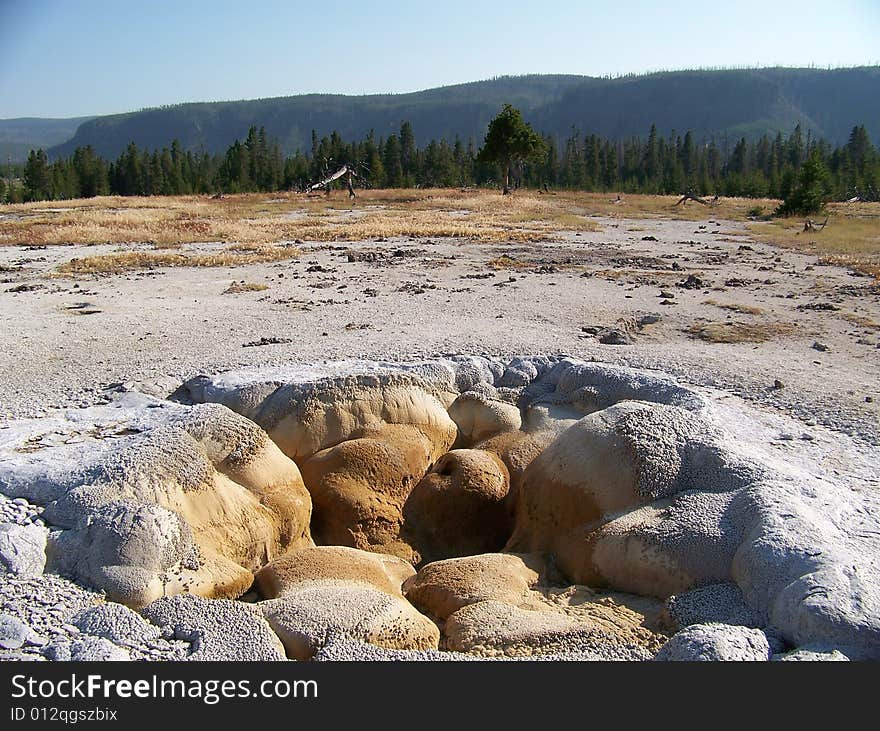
[494, 628]
[702, 642]
[384, 572]
[182, 499]
[218, 629]
[310, 611]
[478, 418]
[359, 488]
[613, 460]
[661, 549]
[444, 587]
[305, 418]
[460, 507]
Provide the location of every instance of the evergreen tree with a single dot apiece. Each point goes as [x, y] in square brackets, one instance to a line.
[859, 148]
[91, 172]
[795, 148]
[462, 163]
[373, 160]
[689, 159]
[408, 154]
[392, 162]
[509, 140]
[810, 191]
[37, 183]
[176, 182]
[651, 161]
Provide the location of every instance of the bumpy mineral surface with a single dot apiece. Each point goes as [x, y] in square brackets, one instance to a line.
[463, 507]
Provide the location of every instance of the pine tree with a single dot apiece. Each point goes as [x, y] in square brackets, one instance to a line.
[373, 161]
[392, 162]
[651, 160]
[176, 180]
[37, 184]
[408, 154]
[859, 147]
[794, 153]
[510, 140]
[810, 191]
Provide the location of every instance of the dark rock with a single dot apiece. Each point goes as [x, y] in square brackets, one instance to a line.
[266, 341]
[819, 306]
[614, 336]
[25, 288]
[692, 282]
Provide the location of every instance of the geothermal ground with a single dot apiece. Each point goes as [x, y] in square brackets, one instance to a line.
[755, 390]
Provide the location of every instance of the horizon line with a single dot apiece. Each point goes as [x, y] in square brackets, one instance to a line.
[605, 77]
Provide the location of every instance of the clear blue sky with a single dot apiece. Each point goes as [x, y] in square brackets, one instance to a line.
[79, 57]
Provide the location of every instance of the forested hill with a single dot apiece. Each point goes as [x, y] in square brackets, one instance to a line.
[719, 104]
[20, 136]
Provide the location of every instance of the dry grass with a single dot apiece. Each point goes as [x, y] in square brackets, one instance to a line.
[239, 287]
[663, 206]
[851, 238]
[123, 261]
[735, 307]
[740, 332]
[861, 320]
[167, 222]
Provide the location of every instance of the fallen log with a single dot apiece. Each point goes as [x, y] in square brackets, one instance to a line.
[330, 178]
[810, 225]
[690, 196]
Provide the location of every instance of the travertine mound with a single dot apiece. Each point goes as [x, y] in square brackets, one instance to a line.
[710, 604]
[306, 613]
[664, 548]
[359, 488]
[305, 418]
[444, 587]
[460, 507]
[115, 622]
[494, 628]
[384, 572]
[217, 629]
[623, 480]
[150, 499]
[22, 549]
[616, 459]
[479, 418]
[702, 642]
[503, 605]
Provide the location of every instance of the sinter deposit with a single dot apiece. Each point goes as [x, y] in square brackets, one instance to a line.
[457, 508]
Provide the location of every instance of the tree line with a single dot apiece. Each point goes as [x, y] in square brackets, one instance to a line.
[768, 167]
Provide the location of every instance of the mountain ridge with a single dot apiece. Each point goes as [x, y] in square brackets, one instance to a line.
[726, 103]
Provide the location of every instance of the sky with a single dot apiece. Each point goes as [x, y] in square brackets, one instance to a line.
[90, 57]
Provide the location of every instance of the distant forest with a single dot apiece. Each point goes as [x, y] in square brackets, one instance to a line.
[767, 167]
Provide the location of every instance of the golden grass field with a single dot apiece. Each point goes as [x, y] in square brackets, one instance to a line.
[261, 221]
[126, 260]
[740, 332]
